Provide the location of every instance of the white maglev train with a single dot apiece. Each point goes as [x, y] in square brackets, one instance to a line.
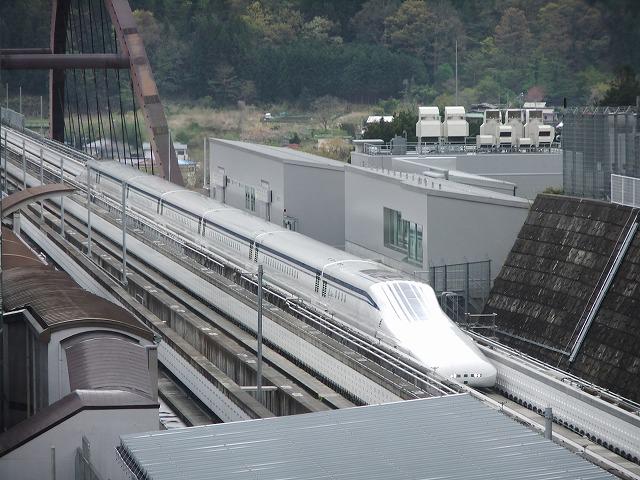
[367, 295]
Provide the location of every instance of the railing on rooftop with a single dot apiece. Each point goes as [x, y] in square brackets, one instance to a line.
[469, 146]
[625, 190]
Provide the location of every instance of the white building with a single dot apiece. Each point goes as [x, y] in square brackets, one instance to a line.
[421, 220]
[413, 222]
[298, 190]
[532, 173]
[181, 149]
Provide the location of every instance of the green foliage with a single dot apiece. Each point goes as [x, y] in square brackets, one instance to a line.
[403, 124]
[624, 89]
[218, 52]
[554, 190]
[295, 139]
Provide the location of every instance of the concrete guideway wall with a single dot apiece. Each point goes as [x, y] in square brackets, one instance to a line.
[581, 412]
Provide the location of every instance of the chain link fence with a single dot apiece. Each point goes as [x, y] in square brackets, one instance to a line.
[599, 142]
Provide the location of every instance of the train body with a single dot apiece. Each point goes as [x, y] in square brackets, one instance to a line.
[376, 300]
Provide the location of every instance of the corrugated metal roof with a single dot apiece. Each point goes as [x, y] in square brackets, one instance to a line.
[107, 361]
[58, 302]
[15, 253]
[444, 437]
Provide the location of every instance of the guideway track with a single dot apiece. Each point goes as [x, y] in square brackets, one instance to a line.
[498, 404]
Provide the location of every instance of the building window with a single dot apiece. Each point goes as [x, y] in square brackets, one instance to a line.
[250, 198]
[402, 235]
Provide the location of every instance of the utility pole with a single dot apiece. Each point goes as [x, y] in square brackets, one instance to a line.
[41, 116]
[259, 372]
[457, 72]
[89, 212]
[42, 183]
[169, 155]
[204, 165]
[61, 199]
[24, 167]
[124, 233]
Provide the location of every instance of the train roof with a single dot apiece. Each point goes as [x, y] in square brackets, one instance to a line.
[292, 245]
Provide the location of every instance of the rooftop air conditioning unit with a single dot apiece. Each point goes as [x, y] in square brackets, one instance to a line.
[455, 128]
[515, 118]
[505, 136]
[428, 128]
[491, 124]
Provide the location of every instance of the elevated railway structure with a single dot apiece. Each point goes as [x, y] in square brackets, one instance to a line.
[203, 310]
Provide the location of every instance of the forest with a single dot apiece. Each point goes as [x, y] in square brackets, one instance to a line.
[219, 52]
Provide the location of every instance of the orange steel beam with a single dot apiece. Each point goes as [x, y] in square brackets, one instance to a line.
[145, 89]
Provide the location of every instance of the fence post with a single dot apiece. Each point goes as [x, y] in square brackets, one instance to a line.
[466, 287]
[89, 211]
[24, 167]
[124, 232]
[259, 336]
[62, 199]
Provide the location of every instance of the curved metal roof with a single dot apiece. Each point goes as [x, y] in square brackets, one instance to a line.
[58, 302]
[16, 253]
[22, 198]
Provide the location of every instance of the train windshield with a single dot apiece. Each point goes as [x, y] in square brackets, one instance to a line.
[409, 301]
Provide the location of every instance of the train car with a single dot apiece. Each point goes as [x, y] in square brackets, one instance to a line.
[379, 301]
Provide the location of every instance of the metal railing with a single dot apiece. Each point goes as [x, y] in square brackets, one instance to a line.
[462, 288]
[625, 190]
[467, 146]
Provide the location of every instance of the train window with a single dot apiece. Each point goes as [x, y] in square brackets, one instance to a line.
[250, 251]
[317, 282]
[324, 288]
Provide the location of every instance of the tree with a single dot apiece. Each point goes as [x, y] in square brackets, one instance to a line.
[427, 30]
[319, 29]
[276, 25]
[326, 108]
[624, 88]
[512, 35]
[403, 124]
[368, 23]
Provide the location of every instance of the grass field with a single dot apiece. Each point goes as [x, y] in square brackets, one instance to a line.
[191, 124]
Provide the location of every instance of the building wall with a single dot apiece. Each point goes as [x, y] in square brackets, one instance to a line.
[313, 195]
[316, 198]
[456, 228]
[531, 172]
[101, 427]
[244, 169]
[366, 196]
[467, 230]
